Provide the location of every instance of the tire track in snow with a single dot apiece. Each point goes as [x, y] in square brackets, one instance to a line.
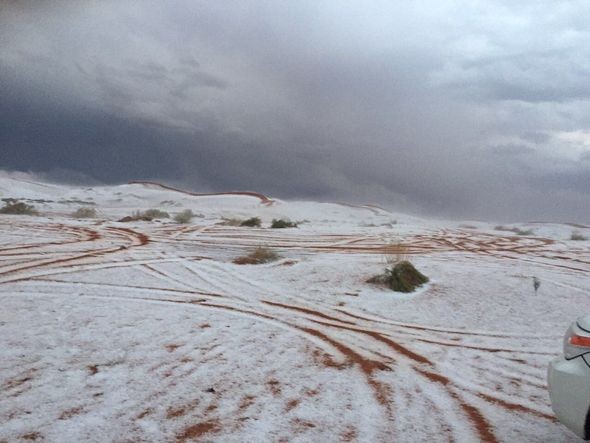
[98, 266]
[362, 336]
[453, 331]
[133, 238]
[368, 368]
[366, 365]
[192, 292]
[81, 235]
[174, 279]
[475, 415]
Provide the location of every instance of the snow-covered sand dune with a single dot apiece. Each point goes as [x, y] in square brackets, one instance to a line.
[146, 331]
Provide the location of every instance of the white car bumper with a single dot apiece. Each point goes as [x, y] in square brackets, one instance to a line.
[569, 389]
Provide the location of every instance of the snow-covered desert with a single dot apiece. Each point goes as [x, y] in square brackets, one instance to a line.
[147, 330]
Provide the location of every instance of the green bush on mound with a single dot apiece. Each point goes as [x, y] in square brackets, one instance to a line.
[18, 208]
[84, 213]
[282, 223]
[403, 277]
[257, 257]
[253, 222]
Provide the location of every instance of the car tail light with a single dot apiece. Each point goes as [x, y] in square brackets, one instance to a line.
[576, 342]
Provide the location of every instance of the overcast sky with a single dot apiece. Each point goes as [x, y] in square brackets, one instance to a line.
[462, 109]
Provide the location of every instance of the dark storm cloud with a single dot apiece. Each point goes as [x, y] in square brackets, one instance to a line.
[37, 134]
[461, 109]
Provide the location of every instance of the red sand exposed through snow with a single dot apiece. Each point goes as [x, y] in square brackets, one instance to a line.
[133, 238]
[368, 366]
[198, 430]
[81, 234]
[306, 311]
[382, 392]
[530, 249]
[353, 344]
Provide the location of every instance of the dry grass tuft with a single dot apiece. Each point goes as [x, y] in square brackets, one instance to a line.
[184, 217]
[84, 213]
[149, 215]
[225, 221]
[258, 256]
[18, 208]
[395, 252]
[153, 214]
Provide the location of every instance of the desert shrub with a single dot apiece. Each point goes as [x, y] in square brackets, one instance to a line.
[231, 221]
[18, 208]
[578, 236]
[519, 231]
[139, 216]
[253, 222]
[149, 215]
[84, 213]
[258, 256]
[184, 217]
[155, 214]
[282, 223]
[403, 277]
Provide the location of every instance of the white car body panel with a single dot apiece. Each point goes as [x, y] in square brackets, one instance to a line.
[569, 388]
[584, 322]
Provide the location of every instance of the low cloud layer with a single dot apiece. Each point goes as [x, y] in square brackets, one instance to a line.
[452, 108]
